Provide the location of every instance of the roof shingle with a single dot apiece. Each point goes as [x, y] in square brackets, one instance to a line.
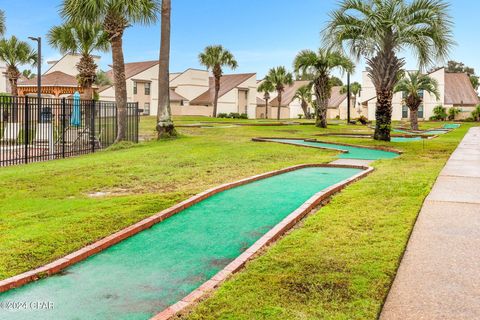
[459, 90]
[289, 93]
[56, 78]
[227, 83]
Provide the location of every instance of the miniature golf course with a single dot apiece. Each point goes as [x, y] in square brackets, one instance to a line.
[350, 152]
[146, 273]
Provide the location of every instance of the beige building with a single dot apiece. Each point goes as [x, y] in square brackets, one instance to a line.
[191, 91]
[4, 85]
[455, 89]
[338, 105]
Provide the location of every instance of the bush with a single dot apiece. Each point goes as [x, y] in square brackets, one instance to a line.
[222, 115]
[476, 113]
[300, 116]
[453, 113]
[363, 120]
[439, 113]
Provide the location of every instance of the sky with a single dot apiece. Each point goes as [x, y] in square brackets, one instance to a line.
[260, 33]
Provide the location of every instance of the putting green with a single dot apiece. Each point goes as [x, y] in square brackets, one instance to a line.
[452, 126]
[146, 273]
[405, 139]
[353, 152]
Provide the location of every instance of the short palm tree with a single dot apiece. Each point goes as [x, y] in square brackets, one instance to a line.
[279, 78]
[27, 73]
[379, 30]
[16, 53]
[81, 39]
[304, 95]
[115, 16]
[266, 87]
[3, 25]
[413, 85]
[355, 89]
[215, 58]
[320, 65]
[165, 127]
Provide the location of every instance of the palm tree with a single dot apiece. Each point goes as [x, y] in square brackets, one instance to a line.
[266, 87]
[3, 25]
[81, 39]
[15, 53]
[102, 79]
[413, 86]
[379, 30]
[165, 127]
[304, 94]
[115, 16]
[278, 78]
[320, 65]
[355, 89]
[214, 58]
[27, 73]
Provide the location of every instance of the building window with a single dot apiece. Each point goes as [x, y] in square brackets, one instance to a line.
[404, 112]
[420, 112]
[146, 108]
[134, 88]
[147, 88]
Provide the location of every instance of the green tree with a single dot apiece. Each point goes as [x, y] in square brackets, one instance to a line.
[413, 85]
[3, 25]
[27, 73]
[214, 58]
[320, 65]
[355, 89]
[81, 39]
[115, 16]
[304, 95]
[102, 79]
[16, 53]
[266, 87]
[379, 30]
[165, 126]
[278, 78]
[336, 82]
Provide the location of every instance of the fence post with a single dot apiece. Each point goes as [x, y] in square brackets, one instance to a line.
[92, 125]
[64, 116]
[137, 123]
[26, 132]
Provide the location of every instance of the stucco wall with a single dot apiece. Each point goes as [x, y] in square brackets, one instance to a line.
[68, 64]
[191, 83]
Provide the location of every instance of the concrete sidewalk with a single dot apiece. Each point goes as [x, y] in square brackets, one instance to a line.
[439, 276]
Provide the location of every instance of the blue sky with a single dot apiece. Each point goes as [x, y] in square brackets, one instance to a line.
[260, 33]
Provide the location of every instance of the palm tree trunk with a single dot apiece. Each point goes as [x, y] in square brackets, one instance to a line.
[165, 127]
[217, 90]
[279, 104]
[414, 118]
[120, 87]
[305, 109]
[266, 108]
[383, 115]
[322, 92]
[13, 79]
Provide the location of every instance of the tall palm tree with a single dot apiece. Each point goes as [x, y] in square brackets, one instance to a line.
[214, 58]
[165, 127]
[413, 85]
[81, 39]
[355, 89]
[304, 94]
[115, 16]
[278, 78]
[266, 87]
[16, 53]
[320, 65]
[379, 30]
[3, 25]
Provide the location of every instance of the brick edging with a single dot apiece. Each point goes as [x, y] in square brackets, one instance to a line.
[381, 148]
[98, 246]
[274, 234]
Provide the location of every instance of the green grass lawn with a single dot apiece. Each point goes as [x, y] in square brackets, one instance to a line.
[338, 264]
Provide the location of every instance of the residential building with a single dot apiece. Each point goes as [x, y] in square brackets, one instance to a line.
[338, 105]
[455, 89]
[4, 85]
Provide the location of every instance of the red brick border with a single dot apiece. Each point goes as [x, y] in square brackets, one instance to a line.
[79, 255]
[274, 234]
[369, 135]
[264, 139]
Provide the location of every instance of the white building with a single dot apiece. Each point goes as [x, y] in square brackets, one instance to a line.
[455, 89]
[4, 85]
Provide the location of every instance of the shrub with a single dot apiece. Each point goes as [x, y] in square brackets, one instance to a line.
[476, 113]
[363, 120]
[439, 113]
[244, 116]
[222, 115]
[300, 116]
[453, 113]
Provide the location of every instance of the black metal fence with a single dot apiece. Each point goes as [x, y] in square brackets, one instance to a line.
[58, 128]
